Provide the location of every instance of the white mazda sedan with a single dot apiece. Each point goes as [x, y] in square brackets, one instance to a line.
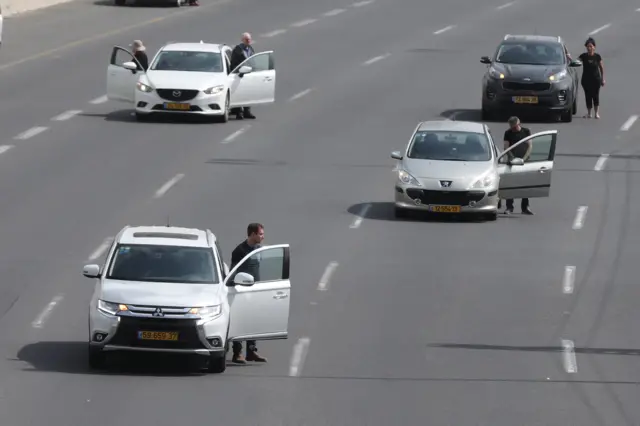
[191, 78]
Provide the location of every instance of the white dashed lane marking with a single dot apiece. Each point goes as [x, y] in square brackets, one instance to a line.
[42, 318]
[627, 124]
[235, 134]
[568, 279]
[298, 356]
[375, 59]
[597, 30]
[99, 251]
[273, 33]
[602, 160]
[445, 29]
[31, 133]
[363, 213]
[5, 148]
[100, 100]
[303, 23]
[505, 5]
[167, 186]
[334, 12]
[362, 3]
[323, 284]
[578, 222]
[66, 115]
[569, 357]
[300, 94]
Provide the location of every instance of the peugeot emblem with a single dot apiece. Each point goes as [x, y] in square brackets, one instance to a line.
[417, 201]
[177, 93]
[445, 183]
[472, 203]
[158, 313]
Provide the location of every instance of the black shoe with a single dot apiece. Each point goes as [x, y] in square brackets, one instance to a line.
[508, 211]
[249, 115]
[239, 117]
[527, 211]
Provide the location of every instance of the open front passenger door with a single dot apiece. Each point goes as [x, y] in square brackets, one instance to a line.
[253, 82]
[122, 76]
[259, 290]
[529, 177]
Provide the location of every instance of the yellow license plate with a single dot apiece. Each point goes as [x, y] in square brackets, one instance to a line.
[445, 209]
[177, 107]
[171, 336]
[525, 99]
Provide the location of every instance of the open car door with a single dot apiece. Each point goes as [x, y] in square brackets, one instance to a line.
[121, 81]
[257, 85]
[531, 177]
[259, 290]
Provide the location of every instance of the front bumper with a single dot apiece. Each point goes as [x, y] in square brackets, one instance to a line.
[191, 102]
[120, 333]
[500, 94]
[471, 201]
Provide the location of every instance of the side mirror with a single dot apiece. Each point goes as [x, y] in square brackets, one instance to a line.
[575, 64]
[516, 162]
[242, 278]
[130, 66]
[396, 155]
[91, 271]
[485, 60]
[245, 70]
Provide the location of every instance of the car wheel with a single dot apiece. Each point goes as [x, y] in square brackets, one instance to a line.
[217, 364]
[120, 2]
[225, 117]
[574, 107]
[567, 116]
[97, 358]
[142, 117]
[492, 216]
[486, 114]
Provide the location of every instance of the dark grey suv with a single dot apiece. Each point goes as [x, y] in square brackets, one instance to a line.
[530, 73]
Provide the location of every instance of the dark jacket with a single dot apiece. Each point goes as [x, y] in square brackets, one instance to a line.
[238, 55]
[251, 266]
[143, 59]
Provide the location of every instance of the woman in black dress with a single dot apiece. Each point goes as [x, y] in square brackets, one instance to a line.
[592, 77]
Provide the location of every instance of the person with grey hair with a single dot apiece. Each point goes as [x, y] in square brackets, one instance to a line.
[241, 52]
[140, 53]
[512, 136]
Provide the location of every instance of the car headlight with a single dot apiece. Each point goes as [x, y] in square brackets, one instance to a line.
[486, 181]
[144, 88]
[495, 73]
[207, 311]
[559, 76]
[111, 308]
[406, 178]
[213, 90]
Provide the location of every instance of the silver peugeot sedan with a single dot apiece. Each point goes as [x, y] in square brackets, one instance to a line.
[456, 167]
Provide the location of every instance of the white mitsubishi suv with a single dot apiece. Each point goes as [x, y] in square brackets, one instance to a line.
[191, 78]
[167, 289]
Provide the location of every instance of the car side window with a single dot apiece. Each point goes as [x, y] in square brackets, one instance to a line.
[120, 57]
[259, 62]
[267, 265]
[541, 149]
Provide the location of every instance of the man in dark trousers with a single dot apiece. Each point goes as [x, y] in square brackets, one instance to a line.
[255, 235]
[513, 135]
[241, 52]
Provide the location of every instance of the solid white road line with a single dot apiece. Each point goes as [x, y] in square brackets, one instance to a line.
[101, 248]
[442, 30]
[627, 124]
[235, 134]
[66, 115]
[505, 5]
[100, 100]
[274, 33]
[31, 133]
[164, 188]
[42, 318]
[300, 94]
[597, 30]
[5, 148]
[568, 279]
[601, 162]
[303, 23]
[334, 12]
[578, 222]
[323, 285]
[376, 59]
[356, 223]
[298, 356]
[362, 3]
[569, 356]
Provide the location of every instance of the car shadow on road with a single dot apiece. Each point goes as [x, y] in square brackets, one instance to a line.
[384, 210]
[129, 3]
[476, 115]
[71, 358]
[127, 116]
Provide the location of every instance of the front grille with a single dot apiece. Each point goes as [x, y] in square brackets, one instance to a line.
[127, 333]
[454, 198]
[531, 87]
[183, 95]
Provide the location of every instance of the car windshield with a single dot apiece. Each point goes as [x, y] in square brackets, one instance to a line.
[188, 61]
[169, 264]
[531, 53]
[450, 146]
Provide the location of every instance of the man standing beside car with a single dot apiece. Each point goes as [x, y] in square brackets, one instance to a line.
[512, 136]
[255, 236]
[239, 54]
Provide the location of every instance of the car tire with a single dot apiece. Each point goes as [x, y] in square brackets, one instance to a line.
[491, 217]
[97, 358]
[217, 364]
[142, 117]
[486, 114]
[120, 2]
[225, 117]
[567, 116]
[574, 107]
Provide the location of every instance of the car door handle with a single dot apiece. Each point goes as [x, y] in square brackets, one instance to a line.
[268, 79]
[543, 170]
[280, 295]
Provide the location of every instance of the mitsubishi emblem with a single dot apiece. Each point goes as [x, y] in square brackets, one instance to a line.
[176, 93]
[445, 183]
[158, 313]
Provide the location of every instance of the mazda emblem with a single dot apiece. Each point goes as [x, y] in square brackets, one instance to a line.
[445, 183]
[158, 313]
[177, 93]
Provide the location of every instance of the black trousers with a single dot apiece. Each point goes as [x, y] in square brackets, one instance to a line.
[245, 110]
[592, 93]
[524, 204]
[237, 347]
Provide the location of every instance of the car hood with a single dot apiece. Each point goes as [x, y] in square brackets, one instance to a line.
[185, 80]
[462, 174]
[534, 72]
[160, 294]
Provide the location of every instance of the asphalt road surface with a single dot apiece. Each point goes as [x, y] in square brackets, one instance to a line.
[523, 321]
